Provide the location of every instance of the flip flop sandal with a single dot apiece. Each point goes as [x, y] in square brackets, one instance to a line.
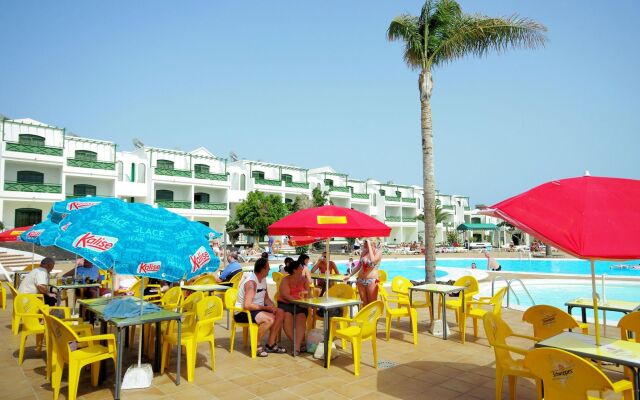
[275, 349]
[261, 352]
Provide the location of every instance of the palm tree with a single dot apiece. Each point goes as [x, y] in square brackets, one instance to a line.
[443, 33]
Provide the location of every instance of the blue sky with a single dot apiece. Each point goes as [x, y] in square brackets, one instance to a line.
[317, 83]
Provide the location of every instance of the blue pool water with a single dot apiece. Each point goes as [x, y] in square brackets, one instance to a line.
[557, 293]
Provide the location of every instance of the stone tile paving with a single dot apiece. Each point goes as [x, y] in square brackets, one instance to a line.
[434, 369]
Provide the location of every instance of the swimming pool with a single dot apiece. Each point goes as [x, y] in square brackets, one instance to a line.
[557, 292]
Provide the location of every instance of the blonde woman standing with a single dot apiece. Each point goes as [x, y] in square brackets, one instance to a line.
[367, 272]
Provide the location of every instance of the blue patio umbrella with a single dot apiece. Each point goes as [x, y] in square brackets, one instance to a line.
[61, 209]
[43, 234]
[138, 239]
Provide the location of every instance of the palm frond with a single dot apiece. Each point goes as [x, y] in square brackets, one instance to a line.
[477, 35]
[405, 28]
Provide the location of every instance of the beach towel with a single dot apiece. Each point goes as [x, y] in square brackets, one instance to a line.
[127, 307]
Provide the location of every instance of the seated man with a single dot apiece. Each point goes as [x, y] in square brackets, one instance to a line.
[231, 269]
[86, 273]
[253, 296]
[321, 267]
[37, 281]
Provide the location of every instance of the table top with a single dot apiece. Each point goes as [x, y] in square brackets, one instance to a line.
[326, 303]
[332, 277]
[437, 288]
[97, 306]
[74, 286]
[609, 305]
[612, 350]
[212, 287]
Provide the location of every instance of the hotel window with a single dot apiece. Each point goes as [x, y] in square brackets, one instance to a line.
[205, 223]
[166, 164]
[201, 197]
[350, 189]
[30, 177]
[382, 192]
[27, 216]
[32, 140]
[398, 193]
[257, 175]
[328, 182]
[164, 195]
[84, 190]
[201, 168]
[287, 178]
[86, 155]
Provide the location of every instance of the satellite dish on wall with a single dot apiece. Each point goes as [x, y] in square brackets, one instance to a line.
[138, 143]
[233, 156]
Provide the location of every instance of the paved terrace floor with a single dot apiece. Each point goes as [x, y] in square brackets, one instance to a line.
[434, 369]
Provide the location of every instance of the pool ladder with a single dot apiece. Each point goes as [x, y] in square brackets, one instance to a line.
[510, 283]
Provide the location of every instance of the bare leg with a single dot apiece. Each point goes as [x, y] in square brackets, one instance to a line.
[288, 325]
[276, 327]
[362, 291]
[265, 321]
[372, 293]
[301, 322]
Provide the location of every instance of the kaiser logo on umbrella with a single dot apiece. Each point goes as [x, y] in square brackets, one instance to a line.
[79, 205]
[199, 259]
[95, 242]
[145, 268]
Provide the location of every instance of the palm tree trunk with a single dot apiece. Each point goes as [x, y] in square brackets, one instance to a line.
[425, 85]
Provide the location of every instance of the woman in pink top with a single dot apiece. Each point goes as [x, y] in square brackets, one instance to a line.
[294, 287]
[367, 270]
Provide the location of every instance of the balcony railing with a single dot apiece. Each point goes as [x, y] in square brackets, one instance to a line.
[30, 148]
[270, 182]
[211, 206]
[33, 187]
[408, 219]
[74, 162]
[77, 196]
[448, 207]
[393, 219]
[359, 196]
[467, 208]
[210, 176]
[173, 172]
[173, 204]
[408, 200]
[303, 185]
[392, 198]
[344, 189]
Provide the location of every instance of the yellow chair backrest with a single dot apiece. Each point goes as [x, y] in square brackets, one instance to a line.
[62, 336]
[382, 276]
[471, 284]
[342, 290]
[630, 323]
[230, 297]
[12, 289]
[277, 278]
[191, 300]
[368, 318]
[384, 295]
[135, 288]
[548, 320]
[496, 300]
[236, 280]
[400, 284]
[497, 332]
[564, 375]
[172, 298]
[205, 280]
[208, 310]
[29, 304]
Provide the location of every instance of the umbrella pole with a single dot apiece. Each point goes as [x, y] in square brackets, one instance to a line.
[141, 326]
[33, 254]
[594, 295]
[326, 271]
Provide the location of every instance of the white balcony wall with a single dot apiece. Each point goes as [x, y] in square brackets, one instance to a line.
[52, 173]
[53, 137]
[180, 161]
[104, 187]
[215, 195]
[104, 150]
[180, 192]
[9, 210]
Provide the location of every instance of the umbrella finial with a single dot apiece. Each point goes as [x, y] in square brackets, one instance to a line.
[587, 173]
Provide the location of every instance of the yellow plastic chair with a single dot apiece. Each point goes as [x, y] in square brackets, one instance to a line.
[105, 279]
[400, 288]
[204, 280]
[362, 327]
[207, 312]
[3, 297]
[171, 300]
[497, 333]
[277, 278]
[17, 319]
[476, 312]
[236, 279]
[76, 357]
[569, 377]
[230, 297]
[136, 287]
[402, 310]
[455, 303]
[549, 321]
[382, 276]
[339, 290]
[630, 323]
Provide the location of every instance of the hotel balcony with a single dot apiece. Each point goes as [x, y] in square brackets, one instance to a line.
[34, 149]
[185, 173]
[174, 204]
[211, 176]
[391, 218]
[301, 185]
[210, 206]
[267, 182]
[364, 196]
[408, 200]
[76, 196]
[55, 188]
[79, 163]
[396, 199]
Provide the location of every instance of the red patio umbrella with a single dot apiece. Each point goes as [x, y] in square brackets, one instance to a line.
[327, 222]
[12, 235]
[297, 241]
[592, 218]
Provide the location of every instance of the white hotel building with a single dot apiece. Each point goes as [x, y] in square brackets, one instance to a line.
[41, 164]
